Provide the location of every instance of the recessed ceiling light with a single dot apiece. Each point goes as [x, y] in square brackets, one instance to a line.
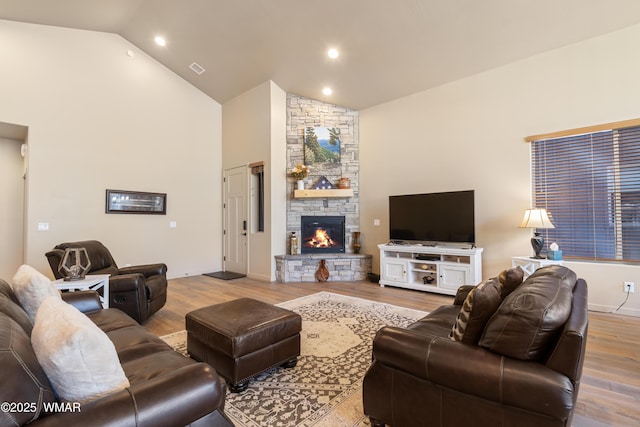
[160, 41]
[333, 53]
[327, 91]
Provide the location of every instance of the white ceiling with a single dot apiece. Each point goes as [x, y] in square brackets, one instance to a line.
[389, 48]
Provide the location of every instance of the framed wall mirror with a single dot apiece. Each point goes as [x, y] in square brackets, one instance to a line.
[136, 202]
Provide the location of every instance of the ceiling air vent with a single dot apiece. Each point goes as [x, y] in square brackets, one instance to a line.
[197, 68]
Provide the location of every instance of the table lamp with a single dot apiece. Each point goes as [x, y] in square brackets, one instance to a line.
[536, 218]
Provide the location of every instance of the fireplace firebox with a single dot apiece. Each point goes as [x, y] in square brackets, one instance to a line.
[322, 234]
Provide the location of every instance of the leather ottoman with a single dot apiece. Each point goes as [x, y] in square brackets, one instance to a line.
[242, 338]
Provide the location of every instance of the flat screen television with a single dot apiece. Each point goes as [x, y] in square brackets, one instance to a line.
[433, 218]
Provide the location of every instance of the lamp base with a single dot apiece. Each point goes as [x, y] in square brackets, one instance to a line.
[537, 242]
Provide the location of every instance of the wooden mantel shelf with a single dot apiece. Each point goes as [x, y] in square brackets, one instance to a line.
[308, 194]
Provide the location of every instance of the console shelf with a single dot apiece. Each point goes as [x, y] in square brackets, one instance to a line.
[429, 268]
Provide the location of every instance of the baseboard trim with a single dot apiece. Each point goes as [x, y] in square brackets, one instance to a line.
[608, 309]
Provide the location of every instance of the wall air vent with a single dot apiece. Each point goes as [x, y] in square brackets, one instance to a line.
[197, 68]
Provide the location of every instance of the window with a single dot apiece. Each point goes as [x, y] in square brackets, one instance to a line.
[257, 195]
[589, 182]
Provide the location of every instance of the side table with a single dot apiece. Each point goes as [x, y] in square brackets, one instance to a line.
[91, 282]
[529, 265]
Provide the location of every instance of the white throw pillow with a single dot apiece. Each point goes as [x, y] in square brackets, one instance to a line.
[31, 288]
[77, 356]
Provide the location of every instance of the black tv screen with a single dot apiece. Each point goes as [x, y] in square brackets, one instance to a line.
[433, 217]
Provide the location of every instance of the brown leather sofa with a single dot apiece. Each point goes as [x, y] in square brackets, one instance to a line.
[524, 371]
[139, 290]
[166, 388]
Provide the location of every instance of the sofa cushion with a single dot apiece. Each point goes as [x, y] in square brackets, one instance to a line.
[23, 380]
[509, 280]
[481, 303]
[529, 320]
[79, 359]
[31, 288]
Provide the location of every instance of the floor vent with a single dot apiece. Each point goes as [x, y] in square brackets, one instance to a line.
[197, 68]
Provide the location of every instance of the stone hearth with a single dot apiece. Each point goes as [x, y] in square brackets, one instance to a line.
[342, 267]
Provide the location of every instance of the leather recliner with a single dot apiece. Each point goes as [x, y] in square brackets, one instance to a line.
[139, 291]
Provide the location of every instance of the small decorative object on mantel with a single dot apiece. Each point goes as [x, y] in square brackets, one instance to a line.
[74, 264]
[344, 183]
[356, 242]
[322, 274]
[323, 184]
[300, 172]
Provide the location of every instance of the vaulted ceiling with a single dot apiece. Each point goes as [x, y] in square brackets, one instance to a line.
[388, 48]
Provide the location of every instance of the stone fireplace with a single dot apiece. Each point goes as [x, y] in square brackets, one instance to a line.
[322, 234]
[341, 262]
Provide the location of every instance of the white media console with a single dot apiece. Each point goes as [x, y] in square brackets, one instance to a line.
[438, 269]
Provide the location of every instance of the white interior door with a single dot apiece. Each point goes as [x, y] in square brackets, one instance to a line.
[235, 220]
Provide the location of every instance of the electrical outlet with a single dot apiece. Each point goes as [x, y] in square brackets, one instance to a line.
[629, 287]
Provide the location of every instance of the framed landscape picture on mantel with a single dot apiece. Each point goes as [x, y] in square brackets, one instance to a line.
[321, 145]
[136, 202]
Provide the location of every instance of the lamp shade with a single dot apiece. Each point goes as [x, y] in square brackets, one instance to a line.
[536, 218]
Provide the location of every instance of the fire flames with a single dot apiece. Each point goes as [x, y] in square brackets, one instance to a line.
[320, 239]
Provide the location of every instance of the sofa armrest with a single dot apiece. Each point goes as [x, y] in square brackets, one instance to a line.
[462, 293]
[177, 398]
[85, 301]
[146, 270]
[475, 371]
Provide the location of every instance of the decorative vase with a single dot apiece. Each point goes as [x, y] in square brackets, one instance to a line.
[322, 274]
[344, 183]
[356, 242]
[300, 184]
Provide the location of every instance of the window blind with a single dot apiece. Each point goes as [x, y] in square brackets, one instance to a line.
[590, 185]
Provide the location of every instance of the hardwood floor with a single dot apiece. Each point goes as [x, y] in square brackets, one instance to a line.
[610, 390]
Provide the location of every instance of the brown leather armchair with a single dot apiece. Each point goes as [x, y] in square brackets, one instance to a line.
[139, 290]
[516, 375]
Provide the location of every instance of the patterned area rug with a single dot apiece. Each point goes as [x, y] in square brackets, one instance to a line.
[325, 388]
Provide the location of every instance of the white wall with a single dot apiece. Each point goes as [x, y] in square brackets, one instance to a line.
[469, 135]
[99, 119]
[254, 126]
